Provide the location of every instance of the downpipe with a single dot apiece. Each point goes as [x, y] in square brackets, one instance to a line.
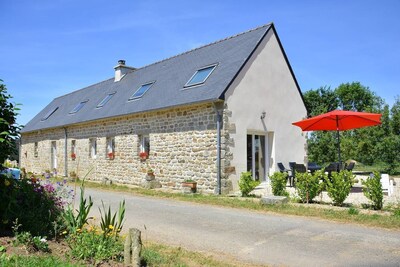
[65, 152]
[219, 123]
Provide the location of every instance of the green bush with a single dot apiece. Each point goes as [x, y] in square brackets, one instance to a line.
[74, 222]
[91, 244]
[372, 189]
[247, 184]
[339, 186]
[278, 183]
[307, 186]
[32, 243]
[36, 206]
[111, 223]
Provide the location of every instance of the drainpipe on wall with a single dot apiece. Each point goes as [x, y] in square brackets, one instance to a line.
[218, 112]
[65, 152]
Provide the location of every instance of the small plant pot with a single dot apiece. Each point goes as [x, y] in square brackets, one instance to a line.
[150, 177]
[192, 186]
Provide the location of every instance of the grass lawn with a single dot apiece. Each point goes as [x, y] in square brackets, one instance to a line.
[153, 254]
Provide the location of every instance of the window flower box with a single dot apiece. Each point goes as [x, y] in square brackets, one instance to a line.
[143, 155]
[73, 156]
[191, 185]
[111, 155]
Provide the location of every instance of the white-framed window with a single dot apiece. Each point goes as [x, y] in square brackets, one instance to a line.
[110, 147]
[73, 149]
[36, 150]
[93, 147]
[200, 76]
[141, 90]
[144, 143]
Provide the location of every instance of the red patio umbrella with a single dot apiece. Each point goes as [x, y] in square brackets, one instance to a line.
[339, 120]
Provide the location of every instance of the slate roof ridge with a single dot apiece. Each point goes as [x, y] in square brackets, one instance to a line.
[168, 58]
[200, 47]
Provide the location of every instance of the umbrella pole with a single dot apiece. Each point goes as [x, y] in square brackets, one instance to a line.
[338, 138]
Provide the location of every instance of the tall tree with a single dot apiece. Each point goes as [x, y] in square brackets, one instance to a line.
[354, 96]
[9, 130]
[320, 101]
[395, 117]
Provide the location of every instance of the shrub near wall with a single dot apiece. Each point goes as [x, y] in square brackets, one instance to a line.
[247, 184]
[307, 186]
[372, 189]
[339, 186]
[278, 184]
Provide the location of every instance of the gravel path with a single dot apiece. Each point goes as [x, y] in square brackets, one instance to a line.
[253, 237]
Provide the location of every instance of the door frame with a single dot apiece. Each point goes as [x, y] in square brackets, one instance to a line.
[53, 153]
[253, 133]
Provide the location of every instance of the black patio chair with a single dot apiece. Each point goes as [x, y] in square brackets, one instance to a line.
[349, 167]
[282, 169]
[291, 166]
[298, 168]
[332, 167]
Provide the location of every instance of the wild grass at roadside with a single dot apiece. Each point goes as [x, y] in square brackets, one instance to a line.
[34, 261]
[343, 215]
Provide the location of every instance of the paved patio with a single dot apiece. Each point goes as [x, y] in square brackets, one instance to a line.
[356, 196]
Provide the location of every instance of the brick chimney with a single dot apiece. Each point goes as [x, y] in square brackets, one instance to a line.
[121, 69]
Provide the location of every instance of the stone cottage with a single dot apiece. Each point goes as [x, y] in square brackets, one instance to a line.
[208, 114]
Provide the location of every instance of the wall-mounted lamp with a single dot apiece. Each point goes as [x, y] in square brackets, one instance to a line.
[263, 115]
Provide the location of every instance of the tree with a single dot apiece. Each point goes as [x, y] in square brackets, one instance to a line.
[359, 144]
[9, 130]
[356, 97]
[320, 101]
[395, 117]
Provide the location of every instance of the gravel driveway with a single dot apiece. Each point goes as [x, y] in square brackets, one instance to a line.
[253, 237]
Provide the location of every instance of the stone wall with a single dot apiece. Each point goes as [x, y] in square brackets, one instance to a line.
[182, 146]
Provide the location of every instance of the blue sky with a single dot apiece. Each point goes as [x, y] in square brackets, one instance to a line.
[52, 47]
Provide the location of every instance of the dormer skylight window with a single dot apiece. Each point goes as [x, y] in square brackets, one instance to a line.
[141, 91]
[105, 100]
[78, 107]
[200, 76]
[48, 114]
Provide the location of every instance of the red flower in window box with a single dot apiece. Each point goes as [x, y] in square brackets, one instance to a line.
[110, 155]
[73, 156]
[143, 155]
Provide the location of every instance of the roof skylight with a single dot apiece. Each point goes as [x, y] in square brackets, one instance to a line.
[200, 76]
[78, 107]
[105, 100]
[141, 91]
[48, 114]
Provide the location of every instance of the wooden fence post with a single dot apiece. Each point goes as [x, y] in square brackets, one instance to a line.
[132, 248]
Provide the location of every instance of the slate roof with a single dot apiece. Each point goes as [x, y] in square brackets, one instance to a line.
[170, 76]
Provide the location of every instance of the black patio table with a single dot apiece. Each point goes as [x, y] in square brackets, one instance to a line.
[313, 167]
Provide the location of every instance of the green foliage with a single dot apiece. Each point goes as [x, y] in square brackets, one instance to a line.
[36, 206]
[395, 113]
[356, 97]
[74, 222]
[278, 184]
[111, 223]
[353, 211]
[9, 130]
[320, 100]
[32, 243]
[339, 186]
[247, 184]
[389, 150]
[372, 189]
[307, 186]
[33, 261]
[92, 245]
[370, 145]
